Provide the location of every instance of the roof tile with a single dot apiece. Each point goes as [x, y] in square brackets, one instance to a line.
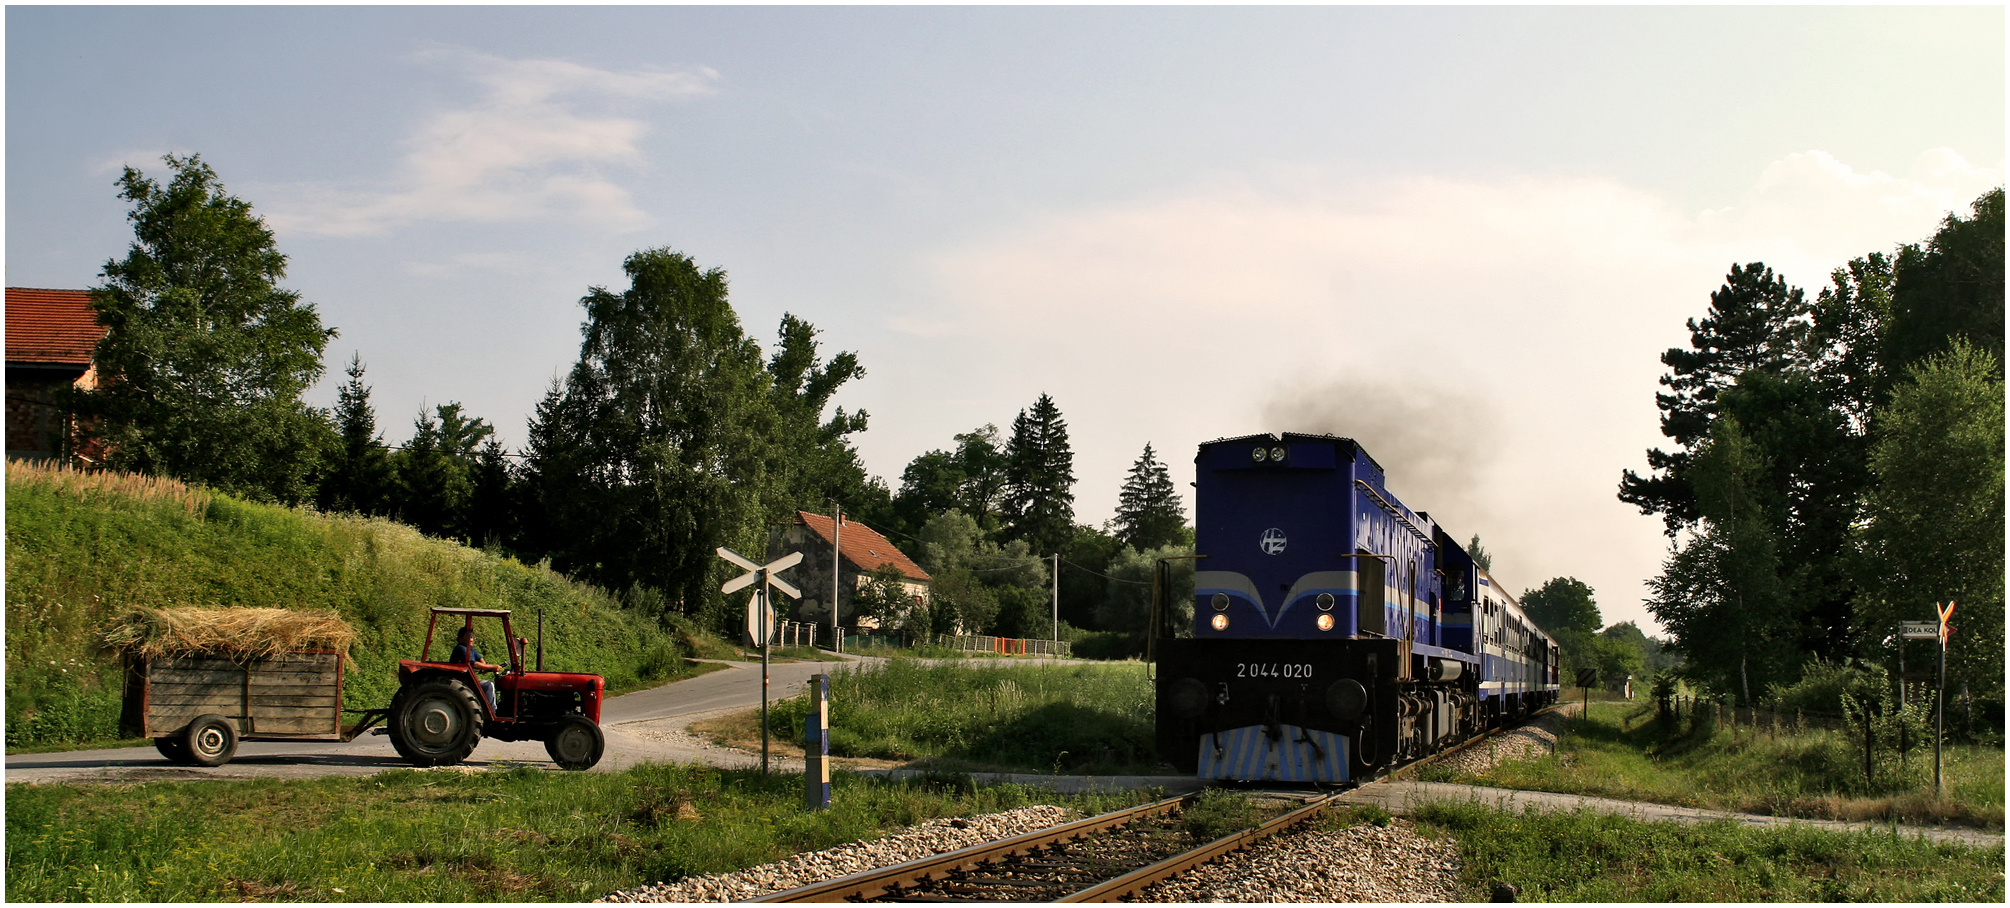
[864, 546]
[51, 326]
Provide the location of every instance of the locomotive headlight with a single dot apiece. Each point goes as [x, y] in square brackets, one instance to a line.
[1325, 603]
[1220, 622]
[1220, 602]
[1325, 622]
[1277, 455]
[1258, 455]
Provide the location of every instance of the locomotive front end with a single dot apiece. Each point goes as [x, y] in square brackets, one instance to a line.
[1312, 588]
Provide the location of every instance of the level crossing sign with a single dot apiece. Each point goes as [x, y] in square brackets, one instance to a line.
[760, 614]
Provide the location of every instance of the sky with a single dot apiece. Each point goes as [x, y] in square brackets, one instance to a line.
[1462, 236]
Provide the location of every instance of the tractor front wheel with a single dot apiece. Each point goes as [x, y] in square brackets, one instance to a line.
[435, 723]
[575, 742]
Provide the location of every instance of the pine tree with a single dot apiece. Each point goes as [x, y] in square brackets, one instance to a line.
[1040, 479]
[359, 474]
[1756, 322]
[1149, 514]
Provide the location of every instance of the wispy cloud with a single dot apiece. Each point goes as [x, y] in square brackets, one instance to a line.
[533, 145]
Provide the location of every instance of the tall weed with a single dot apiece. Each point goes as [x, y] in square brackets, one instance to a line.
[987, 715]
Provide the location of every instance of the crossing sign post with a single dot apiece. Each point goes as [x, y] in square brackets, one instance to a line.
[1940, 694]
[760, 615]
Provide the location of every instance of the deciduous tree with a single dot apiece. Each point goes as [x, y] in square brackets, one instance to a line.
[656, 448]
[205, 357]
[1936, 511]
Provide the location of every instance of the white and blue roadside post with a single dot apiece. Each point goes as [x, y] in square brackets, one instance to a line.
[817, 746]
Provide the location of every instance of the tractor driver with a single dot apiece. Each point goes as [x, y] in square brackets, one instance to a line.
[465, 654]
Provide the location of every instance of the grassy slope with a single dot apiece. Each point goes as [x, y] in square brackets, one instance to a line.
[78, 554]
[1621, 752]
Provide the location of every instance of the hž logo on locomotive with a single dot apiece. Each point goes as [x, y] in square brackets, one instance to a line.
[1272, 542]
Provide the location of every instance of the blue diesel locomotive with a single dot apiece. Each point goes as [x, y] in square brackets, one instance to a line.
[1336, 632]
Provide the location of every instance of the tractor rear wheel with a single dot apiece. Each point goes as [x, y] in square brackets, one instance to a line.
[435, 722]
[575, 742]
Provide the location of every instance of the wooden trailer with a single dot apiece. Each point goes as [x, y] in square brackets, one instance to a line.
[197, 707]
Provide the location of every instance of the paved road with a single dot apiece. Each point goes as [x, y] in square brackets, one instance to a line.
[641, 726]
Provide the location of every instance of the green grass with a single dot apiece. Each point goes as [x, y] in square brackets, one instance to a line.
[408, 836]
[80, 553]
[992, 716]
[1621, 751]
[1593, 858]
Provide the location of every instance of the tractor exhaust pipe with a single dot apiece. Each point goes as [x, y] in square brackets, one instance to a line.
[540, 639]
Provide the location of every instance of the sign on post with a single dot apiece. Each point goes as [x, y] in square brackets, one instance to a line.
[1918, 630]
[1940, 695]
[760, 616]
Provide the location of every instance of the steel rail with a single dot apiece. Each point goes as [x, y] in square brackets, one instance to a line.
[1396, 773]
[884, 881]
[1137, 881]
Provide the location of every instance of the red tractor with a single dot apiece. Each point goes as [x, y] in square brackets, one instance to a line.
[443, 708]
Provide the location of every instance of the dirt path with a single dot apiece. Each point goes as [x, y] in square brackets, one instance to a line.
[1400, 797]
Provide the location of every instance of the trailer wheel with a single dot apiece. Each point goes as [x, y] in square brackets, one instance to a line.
[172, 748]
[435, 723]
[210, 741]
[575, 743]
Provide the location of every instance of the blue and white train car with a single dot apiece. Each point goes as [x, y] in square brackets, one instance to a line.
[1324, 644]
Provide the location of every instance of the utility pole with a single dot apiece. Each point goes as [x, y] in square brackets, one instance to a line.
[1057, 603]
[837, 571]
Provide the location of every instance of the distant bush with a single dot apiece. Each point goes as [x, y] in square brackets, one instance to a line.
[1107, 645]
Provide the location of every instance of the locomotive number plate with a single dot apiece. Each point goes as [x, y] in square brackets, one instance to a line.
[1273, 669]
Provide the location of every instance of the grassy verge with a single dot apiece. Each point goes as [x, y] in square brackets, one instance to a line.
[442, 836]
[1621, 751]
[987, 716]
[1588, 857]
[81, 548]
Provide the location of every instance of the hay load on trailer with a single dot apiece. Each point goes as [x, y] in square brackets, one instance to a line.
[200, 680]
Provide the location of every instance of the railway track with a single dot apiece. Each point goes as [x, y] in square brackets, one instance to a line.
[1106, 858]
[1100, 859]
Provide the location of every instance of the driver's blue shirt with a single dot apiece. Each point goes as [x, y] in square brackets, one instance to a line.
[465, 655]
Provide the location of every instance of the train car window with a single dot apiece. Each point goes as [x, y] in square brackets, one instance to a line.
[1410, 601]
[1371, 615]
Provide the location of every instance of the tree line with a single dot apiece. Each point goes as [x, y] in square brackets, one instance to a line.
[673, 433]
[1837, 467]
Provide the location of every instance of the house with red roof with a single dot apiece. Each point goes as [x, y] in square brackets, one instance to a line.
[52, 336]
[860, 552]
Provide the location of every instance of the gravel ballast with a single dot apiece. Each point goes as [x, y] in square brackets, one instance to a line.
[930, 838]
